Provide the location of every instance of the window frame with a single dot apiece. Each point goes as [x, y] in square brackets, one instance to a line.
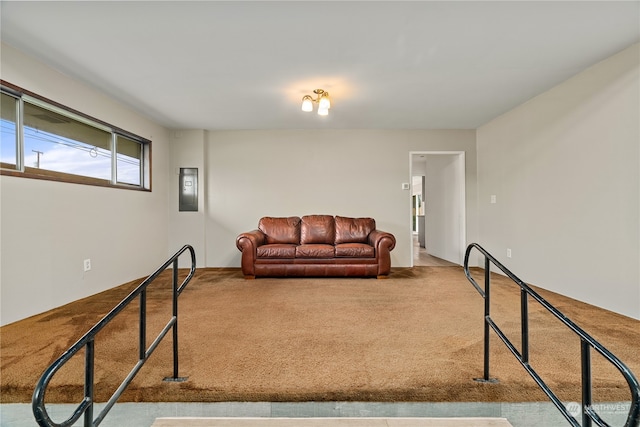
[23, 171]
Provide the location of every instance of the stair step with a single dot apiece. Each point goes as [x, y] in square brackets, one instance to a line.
[330, 422]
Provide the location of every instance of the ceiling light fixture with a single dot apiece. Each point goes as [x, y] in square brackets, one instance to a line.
[322, 99]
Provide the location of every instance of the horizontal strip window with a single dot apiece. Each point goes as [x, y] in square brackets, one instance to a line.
[45, 140]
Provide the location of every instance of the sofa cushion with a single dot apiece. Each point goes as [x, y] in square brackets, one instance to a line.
[281, 230]
[278, 250]
[317, 229]
[315, 251]
[355, 250]
[353, 230]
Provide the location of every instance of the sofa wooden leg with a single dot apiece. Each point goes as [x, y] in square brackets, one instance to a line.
[249, 277]
[383, 277]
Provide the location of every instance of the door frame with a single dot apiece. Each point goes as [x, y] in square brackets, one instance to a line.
[462, 190]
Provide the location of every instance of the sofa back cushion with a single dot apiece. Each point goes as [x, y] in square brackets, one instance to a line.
[316, 229]
[353, 230]
[280, 230]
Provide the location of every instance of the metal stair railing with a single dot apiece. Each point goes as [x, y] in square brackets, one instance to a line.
[87, 342]
[589, 414]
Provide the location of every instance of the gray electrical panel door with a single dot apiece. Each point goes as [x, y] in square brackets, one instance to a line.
[188, 198]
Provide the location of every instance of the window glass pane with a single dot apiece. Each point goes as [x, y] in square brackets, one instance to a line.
[49, 141]
[128, 160]
[59, 143]
[8, 135]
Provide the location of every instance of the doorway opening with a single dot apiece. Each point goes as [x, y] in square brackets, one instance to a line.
[438, 218]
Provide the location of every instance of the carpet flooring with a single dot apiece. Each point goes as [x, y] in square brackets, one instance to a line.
[416, 336]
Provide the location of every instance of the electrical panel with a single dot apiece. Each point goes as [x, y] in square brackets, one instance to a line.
[188, 197]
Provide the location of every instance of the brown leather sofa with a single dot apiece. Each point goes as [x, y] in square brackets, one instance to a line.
[316, 246]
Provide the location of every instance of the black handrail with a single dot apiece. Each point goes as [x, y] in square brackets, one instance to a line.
[589, 413]
[87, 341]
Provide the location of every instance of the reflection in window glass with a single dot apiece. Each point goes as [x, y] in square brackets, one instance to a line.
[58, 143]
[128, 160]
[8, 135]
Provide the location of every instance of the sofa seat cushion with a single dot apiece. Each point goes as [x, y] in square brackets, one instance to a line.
[281, 230]
[317, 229]
[278, 250]
[355, 250]
[353, 230]
[315, 251]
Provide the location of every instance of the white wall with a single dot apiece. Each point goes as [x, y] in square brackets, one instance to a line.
[340, 172]
[48, 228]
[187, 149]
[565, 171]
[444, 206]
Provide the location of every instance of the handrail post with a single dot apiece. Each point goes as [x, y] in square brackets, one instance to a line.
[586, 382]
[175, 315]
[143, 325]
[89, 365]
[174, 328]
[487, 314]
[524, 319]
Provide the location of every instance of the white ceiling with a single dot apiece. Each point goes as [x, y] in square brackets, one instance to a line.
[386, 64]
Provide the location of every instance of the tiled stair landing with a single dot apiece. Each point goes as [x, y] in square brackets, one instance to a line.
[331, 422]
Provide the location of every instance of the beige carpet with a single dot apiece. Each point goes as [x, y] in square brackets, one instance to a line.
[416, 336]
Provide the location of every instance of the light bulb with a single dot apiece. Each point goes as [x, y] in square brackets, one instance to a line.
[323, 111]
[307, 103]
[325, 102]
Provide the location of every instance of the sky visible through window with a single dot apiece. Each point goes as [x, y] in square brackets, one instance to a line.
[52, 152]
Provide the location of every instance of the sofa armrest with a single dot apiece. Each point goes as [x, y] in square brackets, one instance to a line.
[252, 238]
[383, 242]
[248, 244]
[379, 237]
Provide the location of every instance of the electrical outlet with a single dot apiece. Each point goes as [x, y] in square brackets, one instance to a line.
[87, 264]
[508, 252]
